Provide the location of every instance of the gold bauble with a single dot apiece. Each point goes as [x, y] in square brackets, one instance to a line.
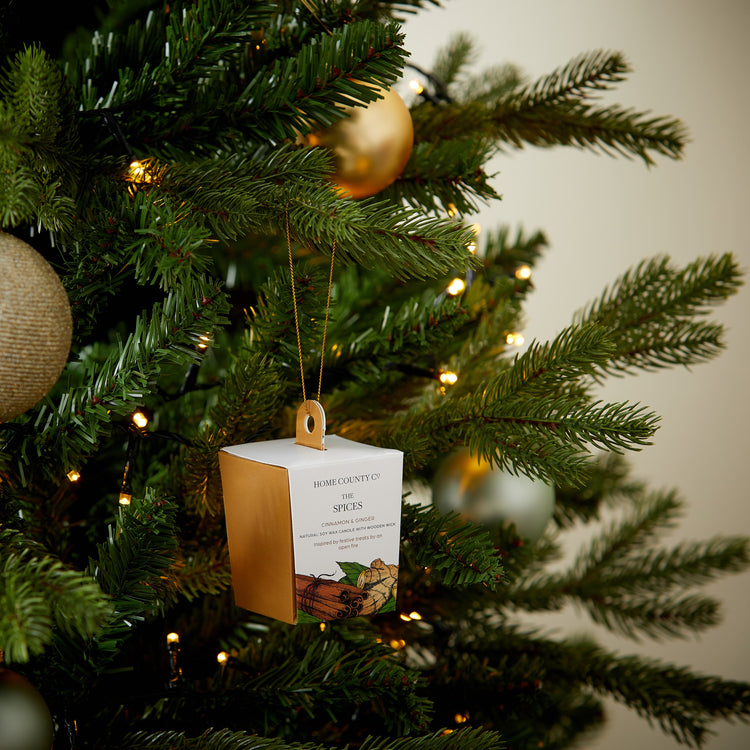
[371, 145]
[491, 496]
[36, 326]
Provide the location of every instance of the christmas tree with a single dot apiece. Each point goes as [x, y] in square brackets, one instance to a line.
[175, 164]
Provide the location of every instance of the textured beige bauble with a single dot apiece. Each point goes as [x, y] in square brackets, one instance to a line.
[371, 145]
[36, 326]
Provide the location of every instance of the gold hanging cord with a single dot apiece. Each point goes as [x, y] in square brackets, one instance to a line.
[296, 317]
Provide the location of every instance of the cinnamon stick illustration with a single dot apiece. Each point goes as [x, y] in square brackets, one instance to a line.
[329, 600]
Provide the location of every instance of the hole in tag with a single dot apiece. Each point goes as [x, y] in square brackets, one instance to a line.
[310, 423]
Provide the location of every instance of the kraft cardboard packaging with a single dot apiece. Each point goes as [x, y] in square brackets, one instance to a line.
[313, 523]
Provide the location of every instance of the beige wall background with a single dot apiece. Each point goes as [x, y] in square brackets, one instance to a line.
[602, 215]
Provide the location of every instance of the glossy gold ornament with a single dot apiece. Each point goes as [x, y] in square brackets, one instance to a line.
[371, 145]
[489, 495]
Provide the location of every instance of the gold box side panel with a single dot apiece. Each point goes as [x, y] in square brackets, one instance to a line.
[259, 531]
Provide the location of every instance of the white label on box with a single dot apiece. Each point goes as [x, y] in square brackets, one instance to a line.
[347, 511]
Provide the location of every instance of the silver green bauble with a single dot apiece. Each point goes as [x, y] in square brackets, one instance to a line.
[490, 496]
[25, 721]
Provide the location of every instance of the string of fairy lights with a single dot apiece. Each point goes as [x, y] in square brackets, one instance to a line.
[142, 173]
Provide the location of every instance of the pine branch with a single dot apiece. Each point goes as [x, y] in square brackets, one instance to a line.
[446, 176]
[202, 571]
[608, 130]
[532, 417]
[459, 553]
[39, 596]
[651, 311]
[451, 60]
[224, 739]
[368, 232]
[251, 394]
[37, 144]
[555, 110]
[578, 79]
[132, 564]
[69, 430]
[509, 252]
[636, 591]
[682, 703]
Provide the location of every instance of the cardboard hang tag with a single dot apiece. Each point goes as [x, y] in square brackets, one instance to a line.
[313, 523]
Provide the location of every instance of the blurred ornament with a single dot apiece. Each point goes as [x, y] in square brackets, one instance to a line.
[36, 327]
[480, 493]
[25, 721]
[371, 145]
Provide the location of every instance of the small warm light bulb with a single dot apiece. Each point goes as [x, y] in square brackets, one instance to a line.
[398, 644]
[472, 247]
[515, 339]
[523, 273]
[415, 615]
[452, 210]
[461, 718]
[138, 171]
[405, 617]
[173, 638]
[447, 377]
[125, 498]
[456, 287]
[73, 475]
[204, 342]
[222, 657]
[139, 419]
[322, 626]
[416, 86]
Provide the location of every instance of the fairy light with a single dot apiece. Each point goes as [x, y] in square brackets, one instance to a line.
[448, 377]
[222, 657]
[138, 172]
[125, 498]
[398, 644]
[461, 718]
[456, 287]
[140, 419]
[416, 86]
[173, 650]
[411, 616]
[322, 627]
[73, 475]
[523, 273]
[515, 339]
[204, 342]
[472, 245]
[452, 210]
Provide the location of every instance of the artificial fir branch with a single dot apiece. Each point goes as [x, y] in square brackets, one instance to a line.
[216, 94]
[652, 311]
[636, 589]
[446, 176]
[555, 110]
[222, 739]
[37, 144]
[38, 595]
[169, 335]
[578, 79]
[458, 553]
